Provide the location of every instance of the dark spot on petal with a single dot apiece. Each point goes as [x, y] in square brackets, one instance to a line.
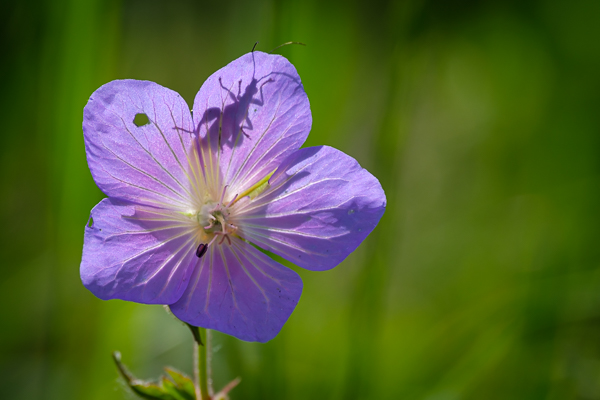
[141, 119]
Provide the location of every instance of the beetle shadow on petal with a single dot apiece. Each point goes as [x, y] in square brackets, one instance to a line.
[230, 125]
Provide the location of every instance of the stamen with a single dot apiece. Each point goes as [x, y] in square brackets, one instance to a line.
[232, 201]
[212, 240]
[223, 194]
[225, 236]
[201, 250]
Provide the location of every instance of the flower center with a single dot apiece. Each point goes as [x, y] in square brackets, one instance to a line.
[213, 219]
[213, 223]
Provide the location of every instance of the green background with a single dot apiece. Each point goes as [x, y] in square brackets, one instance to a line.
[481, 121]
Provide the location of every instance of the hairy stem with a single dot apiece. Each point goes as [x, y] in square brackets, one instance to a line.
[200, 363]
[209, 378]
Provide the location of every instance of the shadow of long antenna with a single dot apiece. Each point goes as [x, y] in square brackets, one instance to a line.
[285, 44]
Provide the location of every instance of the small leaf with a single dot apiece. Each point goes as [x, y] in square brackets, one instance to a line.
[170, 388]
[183, 382]
[149, 390]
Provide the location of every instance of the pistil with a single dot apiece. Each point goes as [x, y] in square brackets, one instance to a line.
[213, 220]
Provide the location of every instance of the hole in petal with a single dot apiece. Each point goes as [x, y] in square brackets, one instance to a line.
[141, 119]
[90, 222]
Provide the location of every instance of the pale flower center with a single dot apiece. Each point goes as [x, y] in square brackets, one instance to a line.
[213, 222]
[213, 218]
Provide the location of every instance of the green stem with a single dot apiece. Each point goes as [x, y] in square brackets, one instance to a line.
[200, 364]
[209, 378]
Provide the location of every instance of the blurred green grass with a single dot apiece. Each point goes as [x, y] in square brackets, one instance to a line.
[480, 119]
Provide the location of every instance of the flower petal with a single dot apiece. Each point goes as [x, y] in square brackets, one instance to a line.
[239, 291]
[257, 114]
[146, 164]
[137, 253]
[321, 204]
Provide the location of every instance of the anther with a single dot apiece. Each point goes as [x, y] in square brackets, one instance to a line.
[201, 250]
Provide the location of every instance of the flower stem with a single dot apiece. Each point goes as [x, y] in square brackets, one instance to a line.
[209, 378]
[201, 352]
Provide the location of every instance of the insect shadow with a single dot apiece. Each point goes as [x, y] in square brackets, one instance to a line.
[229, 125]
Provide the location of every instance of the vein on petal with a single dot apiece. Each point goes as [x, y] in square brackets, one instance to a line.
[212, 174]
[146, 231]
[263, 196]
[196, 183]
[249, 179]
[229, 280]
[164, 264]
[147, 249]
[248, 273]
[285, 195]
[167, 205]
[139, 170]
[233, 180]
[256, 236]
[151, 155]
[254, 228]
[237, 138]
[210, 276]
[169, 145]
[287, 214]
[281, 137]
[249, 254]
[191, 292]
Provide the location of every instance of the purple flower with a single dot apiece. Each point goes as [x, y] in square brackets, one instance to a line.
[190, 196]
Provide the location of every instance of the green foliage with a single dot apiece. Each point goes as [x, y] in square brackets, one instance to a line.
[173, 386]
[182, 383]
